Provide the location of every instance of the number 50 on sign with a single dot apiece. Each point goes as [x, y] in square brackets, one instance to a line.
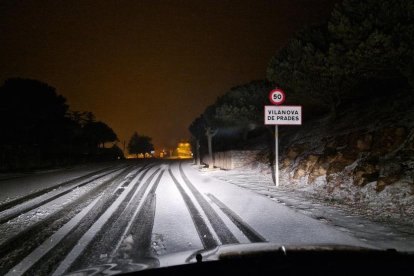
[277, 96]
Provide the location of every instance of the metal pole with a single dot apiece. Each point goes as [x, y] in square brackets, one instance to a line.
[276, 156]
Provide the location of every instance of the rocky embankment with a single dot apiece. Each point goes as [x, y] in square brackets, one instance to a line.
[364, 157]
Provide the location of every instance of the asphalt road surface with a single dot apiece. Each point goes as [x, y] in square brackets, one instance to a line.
[132, 213]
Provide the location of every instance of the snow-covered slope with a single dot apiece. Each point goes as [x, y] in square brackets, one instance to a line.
[363, 158]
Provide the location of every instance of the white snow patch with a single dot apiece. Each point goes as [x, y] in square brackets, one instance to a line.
[310, 200]
[174, 230]
[275, 222]
[16, 225]
[18, 187]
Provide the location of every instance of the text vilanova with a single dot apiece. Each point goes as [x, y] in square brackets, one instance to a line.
[283, 114]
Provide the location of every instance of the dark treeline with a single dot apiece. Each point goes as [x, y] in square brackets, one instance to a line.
[140, 144]
[38, 130]
[365, 49]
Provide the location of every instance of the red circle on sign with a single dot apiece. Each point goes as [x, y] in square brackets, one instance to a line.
[277, 96]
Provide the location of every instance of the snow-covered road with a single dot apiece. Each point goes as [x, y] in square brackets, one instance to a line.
[133, 213]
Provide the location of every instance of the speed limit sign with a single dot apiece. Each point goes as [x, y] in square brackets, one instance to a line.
[277, 96]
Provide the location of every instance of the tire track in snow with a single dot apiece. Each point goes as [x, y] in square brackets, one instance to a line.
[32, 203]
[246, 229]
[23, 242]
[223, 232]
[203, 231]
[19, 200]
[49, 243]
[136, 243]
[81, 240]
[51, 260]
[137, 215]
[102, 245]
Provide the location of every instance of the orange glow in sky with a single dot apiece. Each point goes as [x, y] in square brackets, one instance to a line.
[147, 66]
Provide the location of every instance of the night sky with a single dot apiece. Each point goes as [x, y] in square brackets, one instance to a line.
[148, 66]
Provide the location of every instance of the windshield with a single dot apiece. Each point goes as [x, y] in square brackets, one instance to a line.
[135, 131]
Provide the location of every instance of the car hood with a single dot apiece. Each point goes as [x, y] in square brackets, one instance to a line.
[223, 252]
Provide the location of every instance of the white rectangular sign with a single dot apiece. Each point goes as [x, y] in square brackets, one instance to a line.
[283, 115]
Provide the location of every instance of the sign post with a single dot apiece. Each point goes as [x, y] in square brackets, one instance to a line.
[277, 155]
[280, 115]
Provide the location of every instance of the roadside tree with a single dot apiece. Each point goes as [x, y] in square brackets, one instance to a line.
[140, 144]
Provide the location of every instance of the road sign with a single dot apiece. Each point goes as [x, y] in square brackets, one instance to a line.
[280, 115]
[277, 96]
[283, 115]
